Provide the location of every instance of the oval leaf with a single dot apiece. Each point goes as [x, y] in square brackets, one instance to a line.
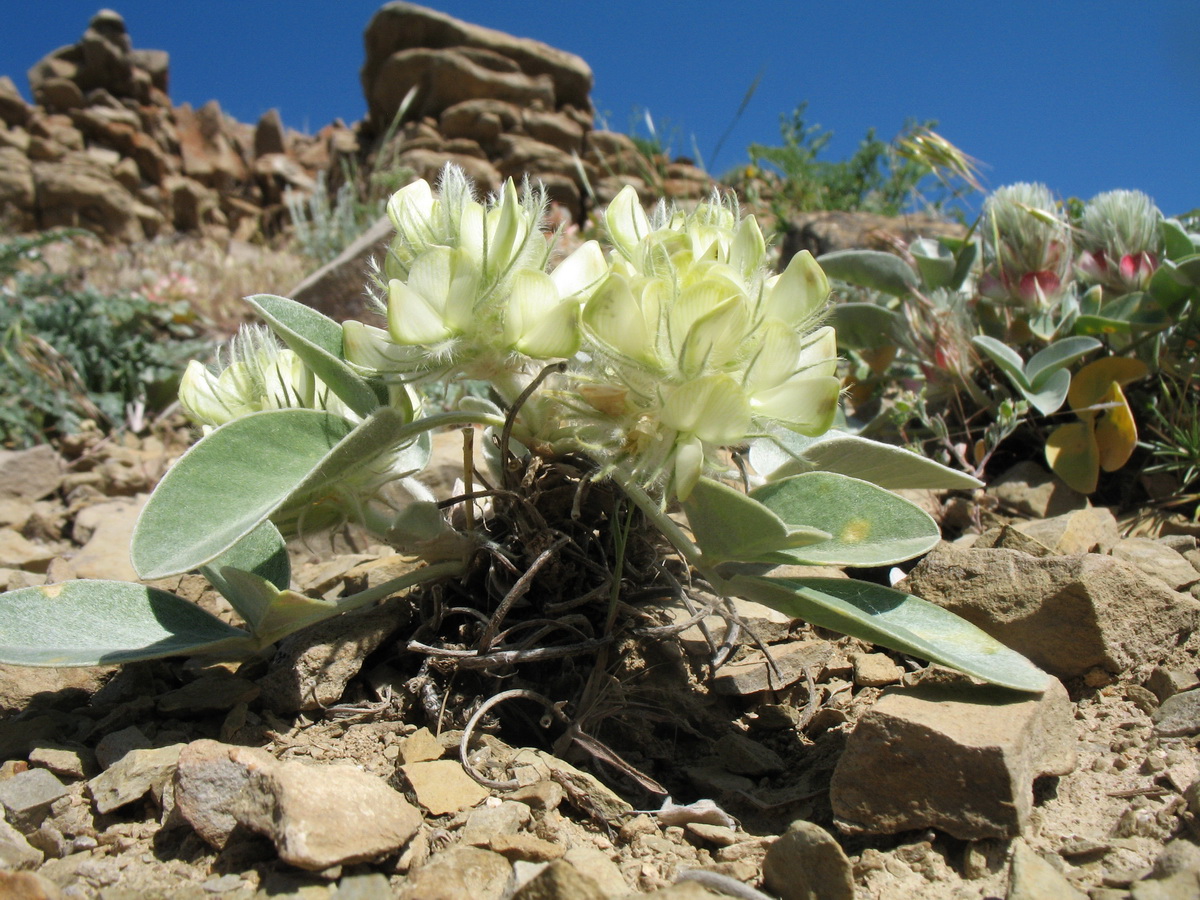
[1005, 357]
[864, 326]
[1056, 356]
[1053, 391]
[95, 623]
[934, 261]
[1074, 456]
[317, 340]
[785, 453]
[896, 620]
[227, 484]
[872, 269]
[728, 525]
[870, 526]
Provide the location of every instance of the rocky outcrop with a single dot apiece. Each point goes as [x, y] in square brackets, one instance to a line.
[102, 147]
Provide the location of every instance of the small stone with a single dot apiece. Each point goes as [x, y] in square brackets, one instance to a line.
[745, 756]
[17, 552]
[366, 886]
[1091, 530]
[27, 886]
[420, 746]
[960, 758]
[1027, 488]
[754, 674]
[1165, 682]
[26, 797]
[583, 790]
[320, 816]
[719, 835]
[560, 881]
[596, 865]
[488, 821]
[217, 691]
[1035, 879]
[15, 851]
[527, 847]
[1179, 715]
[30, 474]
[808, 863]
[1158, 561]
[457, 873]
[116, 744]
[60, 761]
[134, 775]
[875, 670]
[539, 795]
[442, 787]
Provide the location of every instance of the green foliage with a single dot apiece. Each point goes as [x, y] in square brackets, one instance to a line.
[878, 177]
[324, 228]
[69, 352]
[326, 430]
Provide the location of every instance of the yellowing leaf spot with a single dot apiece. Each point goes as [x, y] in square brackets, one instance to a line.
[50, 591]
[856, 531]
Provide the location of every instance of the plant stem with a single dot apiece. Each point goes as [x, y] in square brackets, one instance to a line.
[664, 523]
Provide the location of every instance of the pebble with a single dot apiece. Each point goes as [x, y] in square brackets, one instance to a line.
[137, 773]
[1179, 716]
[458, 873]
[441, 786]
[746, 756]
[805, 862]
[26, 797]
[1032, 878]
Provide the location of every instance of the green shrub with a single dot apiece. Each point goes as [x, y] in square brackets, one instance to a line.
[69, 352]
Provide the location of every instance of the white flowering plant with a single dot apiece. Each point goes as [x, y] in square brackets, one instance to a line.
[654, 368]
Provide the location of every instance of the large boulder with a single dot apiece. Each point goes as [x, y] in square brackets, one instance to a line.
[458, 61]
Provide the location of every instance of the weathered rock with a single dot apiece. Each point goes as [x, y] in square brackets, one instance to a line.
[486, 822]
[13, 108]
[585, 791]
[1179, 715]
[216, 691]
[1033, 878]
[15, 851]
[1091, 530]
[807, 863]
[457, 873]
[398, 27]
[827, 231]
[482, 120]
[269, 134]
[26, 797]
[875, 670]
[312, 667]
[336, 289]
[317, 816]
[28, 886]
[111, 748]
[1158, 560]
[134, 775]
[17, 552]
[442, 787]
[77, 192]
[1029, 489]
[428, 164]
[960, 758]
[322, 816]
[205, 147]
[560, 881]
[1067, 614]
[106, 531]
[754, 674]
[17, 188]
[70, 763]
[745, 756]
[31, 474]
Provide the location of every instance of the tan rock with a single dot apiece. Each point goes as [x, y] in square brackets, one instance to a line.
[457, 873]
[13, 108]
[400, 26]
[16, 179]
[207, 152]
[482, 120]
[960, 758]
[442, 787]
[1067, 614]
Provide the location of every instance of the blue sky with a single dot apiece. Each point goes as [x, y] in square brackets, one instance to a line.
[1083, 95]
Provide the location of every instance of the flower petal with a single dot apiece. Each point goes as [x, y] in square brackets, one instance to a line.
[581, 273]
[614, 319]
[799, 292]
[803, 404]
[714, 408]
[626, 222]
[411, 318]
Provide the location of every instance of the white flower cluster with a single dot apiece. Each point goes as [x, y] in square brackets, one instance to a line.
[677, 341]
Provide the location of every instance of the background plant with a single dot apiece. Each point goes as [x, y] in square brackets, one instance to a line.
[71, 352]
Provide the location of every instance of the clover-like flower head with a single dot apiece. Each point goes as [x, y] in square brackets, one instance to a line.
[1119, 233]
[467, 282]
[257, 375]
[1027, 246]
[693, 339]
